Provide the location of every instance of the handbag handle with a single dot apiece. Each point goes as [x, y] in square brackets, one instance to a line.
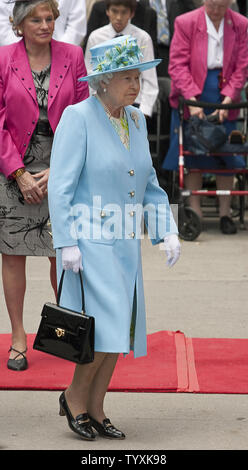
[60, 289]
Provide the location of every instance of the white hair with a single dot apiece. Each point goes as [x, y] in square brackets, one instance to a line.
[94, 82]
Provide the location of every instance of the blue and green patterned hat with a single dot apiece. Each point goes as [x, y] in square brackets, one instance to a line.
[115, 55]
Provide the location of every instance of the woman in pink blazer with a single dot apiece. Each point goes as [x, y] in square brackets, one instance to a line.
[38, 80]
[208, 61]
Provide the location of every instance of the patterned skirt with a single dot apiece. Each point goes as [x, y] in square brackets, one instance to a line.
[25, 228]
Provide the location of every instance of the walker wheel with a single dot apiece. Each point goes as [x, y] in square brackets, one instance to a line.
[189, 224]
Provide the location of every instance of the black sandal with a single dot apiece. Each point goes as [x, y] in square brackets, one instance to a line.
[18, 364]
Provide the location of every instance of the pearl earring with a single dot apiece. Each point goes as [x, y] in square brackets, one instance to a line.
[104, 90]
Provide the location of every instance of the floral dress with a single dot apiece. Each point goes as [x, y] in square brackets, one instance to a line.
[25, 228]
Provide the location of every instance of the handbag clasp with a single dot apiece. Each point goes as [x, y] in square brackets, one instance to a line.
[60, 332]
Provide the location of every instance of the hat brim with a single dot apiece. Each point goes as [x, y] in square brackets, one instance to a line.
[142, 66]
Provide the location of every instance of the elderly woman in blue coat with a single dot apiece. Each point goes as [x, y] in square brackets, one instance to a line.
[101, 184]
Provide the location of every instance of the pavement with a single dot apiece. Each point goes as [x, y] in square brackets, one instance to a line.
[203, 295]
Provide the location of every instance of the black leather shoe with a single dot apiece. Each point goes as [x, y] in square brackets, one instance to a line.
[18, 364]
[106, 429]
[81, 424]
[227, 225]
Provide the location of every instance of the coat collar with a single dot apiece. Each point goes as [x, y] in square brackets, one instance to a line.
[229, 39]
[59, 69]
[134, 124]
[60, 64]
[202, 29]
[21, 67]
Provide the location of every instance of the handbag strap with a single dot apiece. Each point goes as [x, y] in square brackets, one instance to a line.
[60, 288]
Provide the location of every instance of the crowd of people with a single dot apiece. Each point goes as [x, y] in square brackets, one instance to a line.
[163, 32]
[78, 85]
[208, 62]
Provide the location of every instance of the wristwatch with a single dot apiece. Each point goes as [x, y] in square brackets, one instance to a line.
[18, 173]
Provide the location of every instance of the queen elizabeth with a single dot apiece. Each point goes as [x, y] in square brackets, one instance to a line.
[101, 162]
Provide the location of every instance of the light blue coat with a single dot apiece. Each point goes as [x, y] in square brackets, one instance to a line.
[96, 188]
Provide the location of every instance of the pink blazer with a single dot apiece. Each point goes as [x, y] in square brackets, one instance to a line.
[19, 110]
[188, 56]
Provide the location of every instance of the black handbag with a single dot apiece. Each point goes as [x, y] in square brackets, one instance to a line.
[204, 135]
[64, 333]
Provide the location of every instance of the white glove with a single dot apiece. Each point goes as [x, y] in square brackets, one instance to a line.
[72, 258]
[172, 248]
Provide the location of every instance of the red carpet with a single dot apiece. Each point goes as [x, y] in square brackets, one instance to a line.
[174, 363]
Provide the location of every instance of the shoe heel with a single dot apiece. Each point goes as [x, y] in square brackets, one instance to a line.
[61, 411]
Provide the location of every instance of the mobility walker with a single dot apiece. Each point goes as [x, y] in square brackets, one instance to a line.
[189, 223]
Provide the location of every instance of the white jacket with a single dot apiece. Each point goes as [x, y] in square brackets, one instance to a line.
[70, 26]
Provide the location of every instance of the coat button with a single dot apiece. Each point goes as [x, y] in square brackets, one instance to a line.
[102, 214]
[132, 193]
[131, 213]
[131, 172]
[132, 235]
[29, 133]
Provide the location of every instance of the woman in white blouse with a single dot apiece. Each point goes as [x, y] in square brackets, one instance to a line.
[208, 61]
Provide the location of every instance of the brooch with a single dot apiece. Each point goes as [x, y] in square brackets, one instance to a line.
[135, 118]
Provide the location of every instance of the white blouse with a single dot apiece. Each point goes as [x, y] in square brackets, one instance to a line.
[215, 44]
